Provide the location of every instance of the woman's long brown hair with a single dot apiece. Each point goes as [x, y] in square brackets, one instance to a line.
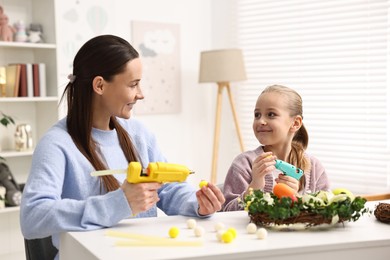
[104, 56]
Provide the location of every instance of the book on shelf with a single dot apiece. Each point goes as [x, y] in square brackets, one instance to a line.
[29, 73]
[23, 81]
[26, 80]
[35, 70]
[42, 79]
[12, 73]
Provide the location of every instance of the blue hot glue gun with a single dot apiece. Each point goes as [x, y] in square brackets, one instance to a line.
[288, 169]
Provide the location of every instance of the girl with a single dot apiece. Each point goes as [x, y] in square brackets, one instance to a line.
[278, 127]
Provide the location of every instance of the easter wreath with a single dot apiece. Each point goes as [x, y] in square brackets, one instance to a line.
[309, 210]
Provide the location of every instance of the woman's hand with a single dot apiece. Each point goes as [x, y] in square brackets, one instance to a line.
[141, 196]
[262, 165]
[210, 199]
[289, 181]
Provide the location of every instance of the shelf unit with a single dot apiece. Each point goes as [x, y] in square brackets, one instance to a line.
[39, 112]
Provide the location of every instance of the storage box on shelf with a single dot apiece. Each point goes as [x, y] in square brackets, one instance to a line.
[39, 112]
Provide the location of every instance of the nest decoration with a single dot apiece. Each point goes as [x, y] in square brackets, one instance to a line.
[382, 212]
[308, 218]
[309, 210]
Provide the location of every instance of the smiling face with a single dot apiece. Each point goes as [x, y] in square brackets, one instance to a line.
[117, 97]
[272, 124]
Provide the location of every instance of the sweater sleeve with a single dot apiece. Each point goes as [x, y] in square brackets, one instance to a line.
[236, 182]
[318, 179]
[175, 198]
[178, 199]
[60, 195]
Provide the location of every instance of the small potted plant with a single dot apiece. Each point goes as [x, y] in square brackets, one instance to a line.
[5, 120]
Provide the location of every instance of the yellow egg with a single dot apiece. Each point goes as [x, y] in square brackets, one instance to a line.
[227, 237]
[174, 232]
[338, 191]
[203, 183]
[233, 231]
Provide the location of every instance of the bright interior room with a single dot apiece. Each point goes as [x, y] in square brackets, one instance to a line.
[335, 54]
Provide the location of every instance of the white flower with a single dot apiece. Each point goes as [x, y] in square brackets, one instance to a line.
[267, 197]
[310, 200]
[326, 196]
[335, 220]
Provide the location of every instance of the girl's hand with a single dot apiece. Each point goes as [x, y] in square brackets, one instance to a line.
[262, 165]
[141, 196]
[289, 181]
[210, 199]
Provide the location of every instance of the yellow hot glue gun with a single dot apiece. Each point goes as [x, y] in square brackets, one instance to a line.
[155, 172]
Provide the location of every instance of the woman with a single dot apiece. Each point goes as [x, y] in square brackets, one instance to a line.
[97, 134]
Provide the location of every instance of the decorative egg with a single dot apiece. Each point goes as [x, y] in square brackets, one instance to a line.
[191, 223]
[251, 228]
[261, 233]
[199, 231]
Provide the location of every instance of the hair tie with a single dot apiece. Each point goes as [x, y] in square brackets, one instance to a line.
[71, 78]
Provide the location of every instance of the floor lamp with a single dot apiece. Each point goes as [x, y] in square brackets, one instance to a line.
[222, 67]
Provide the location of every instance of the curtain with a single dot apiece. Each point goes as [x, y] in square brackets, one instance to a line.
[334, 53]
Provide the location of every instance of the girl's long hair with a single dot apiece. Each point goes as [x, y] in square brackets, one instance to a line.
[301, 138]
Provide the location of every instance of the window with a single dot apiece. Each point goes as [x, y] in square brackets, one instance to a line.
[336, 55]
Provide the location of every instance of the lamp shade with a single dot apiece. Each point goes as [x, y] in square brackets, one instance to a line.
[221, 66]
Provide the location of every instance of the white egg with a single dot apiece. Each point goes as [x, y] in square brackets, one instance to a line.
[219, 234]
[251, 228]
[219, 226]
[261, 233]
[191, 223]
[199, 231]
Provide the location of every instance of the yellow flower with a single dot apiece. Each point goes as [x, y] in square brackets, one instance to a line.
[247, 205]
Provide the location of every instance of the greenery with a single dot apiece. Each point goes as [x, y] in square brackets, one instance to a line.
[5, 121]
[311, 209]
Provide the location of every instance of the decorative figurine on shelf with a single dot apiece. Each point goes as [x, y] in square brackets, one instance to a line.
[21, 35]
[35, 33]
[23, 137]
[13, 194]
[2, 197]
[6, 30]
[5, 120]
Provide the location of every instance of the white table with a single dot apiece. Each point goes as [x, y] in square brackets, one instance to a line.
[365, 239]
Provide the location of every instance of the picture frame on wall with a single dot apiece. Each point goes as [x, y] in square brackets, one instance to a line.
[159, 47]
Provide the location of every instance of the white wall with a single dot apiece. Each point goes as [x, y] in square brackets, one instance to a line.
[186, 137]
[222, 37]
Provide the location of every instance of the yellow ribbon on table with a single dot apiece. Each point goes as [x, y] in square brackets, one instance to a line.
[146, 240]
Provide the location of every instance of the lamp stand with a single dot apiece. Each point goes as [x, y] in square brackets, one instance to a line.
[221, 86]
[2, 90]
